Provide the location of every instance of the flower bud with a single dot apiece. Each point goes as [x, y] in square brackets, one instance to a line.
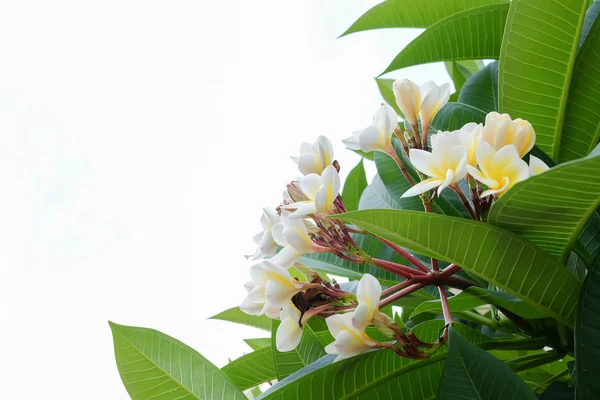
[434, 98]
[314, 158]
[523, 136]
[408, 99]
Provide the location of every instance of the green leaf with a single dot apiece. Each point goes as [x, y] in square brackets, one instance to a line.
[503, 258]
[587, 332]
[472, 373]
[251, 369]
[460, 71]
[558, 391]
[355, 184]
[474, 297]
[368, 156]
[454, 116]
[308, 351]
[387, 92]
[153, 365]
[258, 343]
[590, 17]
[481, 89]
[474, 34]
[411, 13]
[239, 317]
[581, 130]
[372, 375]
[536, 61]
[552, 208]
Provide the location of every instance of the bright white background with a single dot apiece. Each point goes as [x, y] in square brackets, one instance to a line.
[138, 142]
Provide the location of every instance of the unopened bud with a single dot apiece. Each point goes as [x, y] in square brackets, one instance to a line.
[295, 192]
[336, 165]
[386, 325]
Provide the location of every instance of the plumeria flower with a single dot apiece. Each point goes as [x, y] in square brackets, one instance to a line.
[377, 136]
[314, 158]
[266, 245]
[537, 166]
[275, 285]
[445, 165]
[289, 331]
[349, 341]
[294, 235]
[408, 98]
[434, 98]
[499, 130]
[367, 294]
[314, 194]
[255, 303]
[498, 170]
[468, 136]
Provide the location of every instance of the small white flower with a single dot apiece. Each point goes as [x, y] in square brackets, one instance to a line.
[378, 135]
[434, 98]
[537, 166]
[499, 130]
[498, 170]
[349, 341]
[266, 245]
[367, 294]
[289, 332]
[408, 98]
[314, 194]
[314, 158]
[445, 165]
[293, 233]
[469, 135]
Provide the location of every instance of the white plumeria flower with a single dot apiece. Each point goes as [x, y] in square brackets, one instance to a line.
[445, 165]
[279, 286]
[498, 170]
[367, 294]
[349, 341]
[499, 130]
[469, 135]
[314, 158]
[408, 98]
[289, 331]
[255, 302]
[317, 194]
[266, 245]
[537, 166]
[434, 98]
[377, 136]
[294, 235]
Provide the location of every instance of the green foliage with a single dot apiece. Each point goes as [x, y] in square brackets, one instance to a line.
[481, 89]
[587, 332]
[154, 365]
[477, 34]
[386, 89]
[549, 285]
[472, 373]
[251, 369]
[238, 316]
[536, 62]
[258, 343]
[355, 184]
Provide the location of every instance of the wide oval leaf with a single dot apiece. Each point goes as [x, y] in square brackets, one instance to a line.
[536, 61]
[354, 186]
[412, 13]
[474, 34]
[552, 208]
[251, 369]
[154, 365]
[587, 332]
[473, 373]
[581, 130]
[501, 257]
[481, 89]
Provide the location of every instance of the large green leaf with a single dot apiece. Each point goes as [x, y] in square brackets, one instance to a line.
[474, 297]
[153, 365]
[238, 316]
[454, 116]
[552, 208]
[536, 61]
[472, 373]
[354, 186]
[385, 87]
[474, 34]
[503, 258]
[308, 351]
[251, 369]
[258, 343]
[372, 375]
[581, 130]
[587, 332]
[481, 89]
[412, 13]
[460, 72]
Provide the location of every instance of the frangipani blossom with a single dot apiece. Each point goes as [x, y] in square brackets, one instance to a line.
[314, 194]
[255, 302]
[445, 165]
[499, 130]
[468, 136]
[289, 331]
[314, 158]
[266, 245]
[434, 98]
[293, 233]
[378, 135]
[367, 294]
[408, 98]
[537, 166]
[498, 170]
[279, 286]
[349, 341]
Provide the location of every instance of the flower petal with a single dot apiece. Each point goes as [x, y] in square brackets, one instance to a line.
[536, 165]
[352, 142]
[423, 186]
[288, 335]
[425, 162]
[408, 99]
[372, 139]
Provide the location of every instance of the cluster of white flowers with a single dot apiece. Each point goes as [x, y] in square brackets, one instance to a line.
[491, 153]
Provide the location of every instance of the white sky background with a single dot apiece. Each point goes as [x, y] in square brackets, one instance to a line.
[138, 142]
